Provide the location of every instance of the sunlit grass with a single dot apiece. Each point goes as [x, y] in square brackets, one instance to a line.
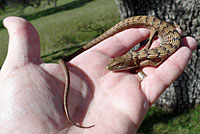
[66, 25]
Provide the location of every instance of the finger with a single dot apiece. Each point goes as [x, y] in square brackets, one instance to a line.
[155, 83]
[24, 45]
[190, 43]
[122, 42]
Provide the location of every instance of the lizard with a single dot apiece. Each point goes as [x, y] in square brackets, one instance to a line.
[167, 33]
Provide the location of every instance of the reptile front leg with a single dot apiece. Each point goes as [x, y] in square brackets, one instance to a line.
[150, 63]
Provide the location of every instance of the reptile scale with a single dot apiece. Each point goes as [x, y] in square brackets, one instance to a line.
[167, 33]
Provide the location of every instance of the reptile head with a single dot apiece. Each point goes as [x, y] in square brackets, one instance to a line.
[122, 63]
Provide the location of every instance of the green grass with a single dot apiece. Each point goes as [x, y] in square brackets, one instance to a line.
[66, 27]
[158, 121]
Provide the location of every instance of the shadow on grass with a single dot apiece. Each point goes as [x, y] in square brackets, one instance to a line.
[158, 116]
[72, 5]
[54, 56]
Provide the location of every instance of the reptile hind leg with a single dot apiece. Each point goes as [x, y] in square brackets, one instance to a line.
[152, 35]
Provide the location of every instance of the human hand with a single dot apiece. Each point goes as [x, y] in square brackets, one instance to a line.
[31, 92]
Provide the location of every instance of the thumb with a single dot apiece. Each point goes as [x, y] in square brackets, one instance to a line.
[24, 43]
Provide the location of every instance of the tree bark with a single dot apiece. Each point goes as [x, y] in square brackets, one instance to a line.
[185, 91]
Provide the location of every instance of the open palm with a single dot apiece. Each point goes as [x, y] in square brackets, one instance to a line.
[31, 92]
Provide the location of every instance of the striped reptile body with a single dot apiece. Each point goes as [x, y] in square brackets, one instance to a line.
[170, 42]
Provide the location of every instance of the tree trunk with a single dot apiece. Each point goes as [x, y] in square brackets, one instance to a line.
[185, 91]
